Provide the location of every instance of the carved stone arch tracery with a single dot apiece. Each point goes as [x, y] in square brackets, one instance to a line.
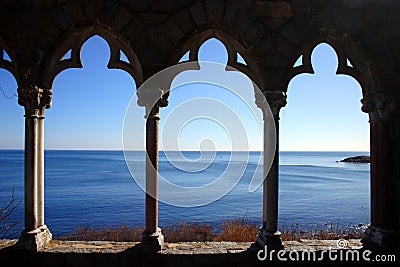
[74, 41]
[232, 46]
[345, 51]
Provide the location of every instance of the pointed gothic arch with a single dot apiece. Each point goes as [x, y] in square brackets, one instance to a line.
[56, 63]
[233, 47]
[345, 51]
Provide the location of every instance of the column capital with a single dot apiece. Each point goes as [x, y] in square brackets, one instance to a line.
[275, 99]
[33, 97]
[379, 107]
[152, 99]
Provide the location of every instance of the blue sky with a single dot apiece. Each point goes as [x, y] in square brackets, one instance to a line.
[323, 111]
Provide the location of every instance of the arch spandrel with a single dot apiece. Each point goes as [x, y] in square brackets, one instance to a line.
[5, 64]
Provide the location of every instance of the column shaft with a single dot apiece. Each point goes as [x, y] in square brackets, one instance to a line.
[385, 185]
[374, 176]
[40, 170]
[381, 231]
[31, 171]
[151, 174]
[271, 187]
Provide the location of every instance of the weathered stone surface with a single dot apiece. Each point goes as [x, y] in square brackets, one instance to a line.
[108, 12]
[49, 26]
[242, 23]
[62, 19]
[263, 46]
[198, 14]
[76, 12]
[215, 11]
[247, 4]
[121, 18]
[34, 240]
[172, 30]
[133, 28]
[273, 9]
[44, 4]
[143, 5]
[252, 34]
[92, 9]
[103, 253]
[230, 16]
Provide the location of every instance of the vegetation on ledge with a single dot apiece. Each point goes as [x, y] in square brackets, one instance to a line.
[234, 230]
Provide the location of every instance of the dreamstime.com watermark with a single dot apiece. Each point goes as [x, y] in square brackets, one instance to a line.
[341, 253]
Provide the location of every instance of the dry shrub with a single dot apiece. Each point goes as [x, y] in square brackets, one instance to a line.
[186, 232]
[121, 234]
[235, 230]
[322, 232]
[7, 222]
[238, 230]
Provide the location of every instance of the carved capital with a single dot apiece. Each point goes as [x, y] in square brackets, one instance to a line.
[152, 99]
[379, 107]
[34, 97]
[276, 100]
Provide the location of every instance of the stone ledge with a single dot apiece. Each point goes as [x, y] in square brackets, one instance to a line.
[58, 246]
[103, 253]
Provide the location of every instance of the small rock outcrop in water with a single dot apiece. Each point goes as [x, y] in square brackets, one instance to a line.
[357, 159]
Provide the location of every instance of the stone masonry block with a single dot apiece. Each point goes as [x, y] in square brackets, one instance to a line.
[243, 23]
[49, 26]
[133, 28]
[62, 19]
[273, 9]
[92, 9]
[172, 30]
[198, 13]
[215, 11]
[121, 18]
[184, 20]
[142, 5]
[76, 11]
[253, 33]
[43, 4]
[229, 19]
[108, 12]
[263, 46]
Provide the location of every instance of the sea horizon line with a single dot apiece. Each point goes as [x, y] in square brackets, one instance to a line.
[136, 150]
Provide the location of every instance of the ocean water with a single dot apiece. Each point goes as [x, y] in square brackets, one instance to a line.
[96, 188]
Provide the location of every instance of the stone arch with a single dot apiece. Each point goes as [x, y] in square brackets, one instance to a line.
[9, 66]
[232, 45]
[74, 41]
[345, 51]
[5, 64]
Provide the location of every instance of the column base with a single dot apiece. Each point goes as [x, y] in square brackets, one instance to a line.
[270, 239]
[34, 240]
[376, 236]
[152, 242]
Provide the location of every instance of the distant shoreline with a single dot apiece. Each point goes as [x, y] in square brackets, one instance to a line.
[357, 159]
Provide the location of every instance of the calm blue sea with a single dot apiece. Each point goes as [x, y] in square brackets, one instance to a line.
[95, 188]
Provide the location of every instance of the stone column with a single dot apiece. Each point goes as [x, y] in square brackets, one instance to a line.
[40, 168]
[381, 230]
[152, 237]
[35, 235]
[269, 234]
